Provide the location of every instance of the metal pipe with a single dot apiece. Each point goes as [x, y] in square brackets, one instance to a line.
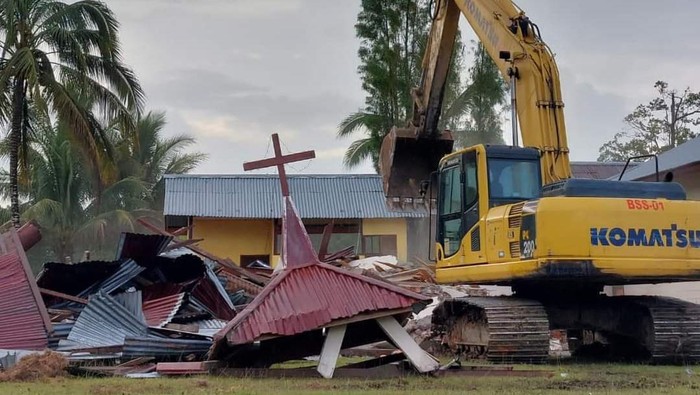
[514, 112]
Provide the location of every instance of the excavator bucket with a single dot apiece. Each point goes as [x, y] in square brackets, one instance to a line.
[405, 161]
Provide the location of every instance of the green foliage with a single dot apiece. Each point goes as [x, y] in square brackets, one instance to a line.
[147, 155]
[57, 185]
[476, 112]
[665, 122]
[54, 55]
[392, 37]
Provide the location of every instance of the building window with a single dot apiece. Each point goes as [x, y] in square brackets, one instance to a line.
[379, 245]
[175, 222]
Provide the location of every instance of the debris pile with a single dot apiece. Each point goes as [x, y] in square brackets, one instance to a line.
[158, 301]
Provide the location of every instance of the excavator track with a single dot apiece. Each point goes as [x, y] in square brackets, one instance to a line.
[500, 329]
[676, 329]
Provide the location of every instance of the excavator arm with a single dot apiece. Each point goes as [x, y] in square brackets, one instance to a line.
[409, 155]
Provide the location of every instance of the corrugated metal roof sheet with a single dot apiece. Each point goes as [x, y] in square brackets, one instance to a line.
[305, 298]
[23, 318]
[127, 271]
[137, 246]
[685, 154]
[135, 347]
[259, 196]
[597, 170]
[74, 279]
[206, 292]
[105, 322]
[132, 300]
[161, 311]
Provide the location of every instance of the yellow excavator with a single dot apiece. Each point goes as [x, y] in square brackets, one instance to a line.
[512, 215]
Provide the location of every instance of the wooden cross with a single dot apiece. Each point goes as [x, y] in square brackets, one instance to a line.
[279, 160]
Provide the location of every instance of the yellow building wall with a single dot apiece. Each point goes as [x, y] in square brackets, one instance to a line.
[229, 238]
[389, 226]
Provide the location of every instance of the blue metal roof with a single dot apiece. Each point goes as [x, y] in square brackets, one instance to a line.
[259, 196]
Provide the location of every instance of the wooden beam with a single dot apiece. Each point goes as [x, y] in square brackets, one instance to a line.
[325, 240]
[183, 243]
[420, 359]
[331, 350]
[63, 296]
[181, 231]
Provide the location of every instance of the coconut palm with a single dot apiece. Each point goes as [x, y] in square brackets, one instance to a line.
[148, 155]
[57, 193]
[52, 50]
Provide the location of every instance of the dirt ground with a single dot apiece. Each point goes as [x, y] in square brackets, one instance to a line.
[566, 379]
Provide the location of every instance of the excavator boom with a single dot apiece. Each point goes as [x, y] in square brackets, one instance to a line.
[409, 155]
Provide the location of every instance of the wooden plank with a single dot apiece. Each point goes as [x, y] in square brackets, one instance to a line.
[422, 361]
[182, 231]
[391, 265]
[63, 296]
[135, 362]
[183, 243]
[181, 368]
[331, 350]
[325, 239]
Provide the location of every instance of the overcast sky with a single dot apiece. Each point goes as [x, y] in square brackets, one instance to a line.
[231, 72]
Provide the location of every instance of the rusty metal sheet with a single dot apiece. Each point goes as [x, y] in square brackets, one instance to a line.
[24, 322]
[208, 295]
[161, 311]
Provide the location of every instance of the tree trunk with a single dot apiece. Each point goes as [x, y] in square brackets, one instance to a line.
[15, 131]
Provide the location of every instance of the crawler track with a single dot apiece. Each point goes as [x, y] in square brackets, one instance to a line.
[503, 330]
[676, 329]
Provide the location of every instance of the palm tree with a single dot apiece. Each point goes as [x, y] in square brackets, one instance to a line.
[375, 127]
[57, 193]
[148, 155]
[52, 50]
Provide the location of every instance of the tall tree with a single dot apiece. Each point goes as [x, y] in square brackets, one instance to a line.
[50, 46]
[476, 113]
[57, 194]
[57, 191]
[668, 120]
[392, 37]
[148, 155]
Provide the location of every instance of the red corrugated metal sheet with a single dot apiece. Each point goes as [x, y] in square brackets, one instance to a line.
[206, 293]
[160, 290]
[309, 297]
[309, 294]
[161, 311]
[24, 321]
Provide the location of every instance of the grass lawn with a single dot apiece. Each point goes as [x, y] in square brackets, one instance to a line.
[567, 379]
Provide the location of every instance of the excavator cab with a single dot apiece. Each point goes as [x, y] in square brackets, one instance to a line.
[407, 161]
[474, 180]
